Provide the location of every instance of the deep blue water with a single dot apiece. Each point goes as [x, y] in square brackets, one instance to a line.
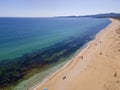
[19, 36]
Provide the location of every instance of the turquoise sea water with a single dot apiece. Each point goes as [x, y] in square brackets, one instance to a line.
[19, 36]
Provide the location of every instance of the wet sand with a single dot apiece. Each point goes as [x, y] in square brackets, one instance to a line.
[97, 67]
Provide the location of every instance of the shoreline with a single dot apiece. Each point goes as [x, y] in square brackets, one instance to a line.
[75, 57]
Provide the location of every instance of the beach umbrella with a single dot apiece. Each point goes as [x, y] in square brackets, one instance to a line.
[45, 89]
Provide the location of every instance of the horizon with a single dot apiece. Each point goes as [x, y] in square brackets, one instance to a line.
[54, 8]
[53, 16]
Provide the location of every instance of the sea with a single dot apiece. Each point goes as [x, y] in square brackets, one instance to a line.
[42, 43]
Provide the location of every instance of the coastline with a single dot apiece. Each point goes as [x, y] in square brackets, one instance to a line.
[23, 71]
[66, 70]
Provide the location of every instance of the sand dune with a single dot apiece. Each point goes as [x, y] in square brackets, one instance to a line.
[97, 67]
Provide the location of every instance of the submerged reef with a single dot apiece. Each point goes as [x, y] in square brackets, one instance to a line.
[13, 70]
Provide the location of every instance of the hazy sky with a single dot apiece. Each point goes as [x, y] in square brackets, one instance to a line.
[48, 8]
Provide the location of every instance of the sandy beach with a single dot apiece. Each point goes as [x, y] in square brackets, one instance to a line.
[97, 67]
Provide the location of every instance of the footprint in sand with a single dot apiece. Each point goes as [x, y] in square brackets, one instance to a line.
[115, 75]
[100, 53]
